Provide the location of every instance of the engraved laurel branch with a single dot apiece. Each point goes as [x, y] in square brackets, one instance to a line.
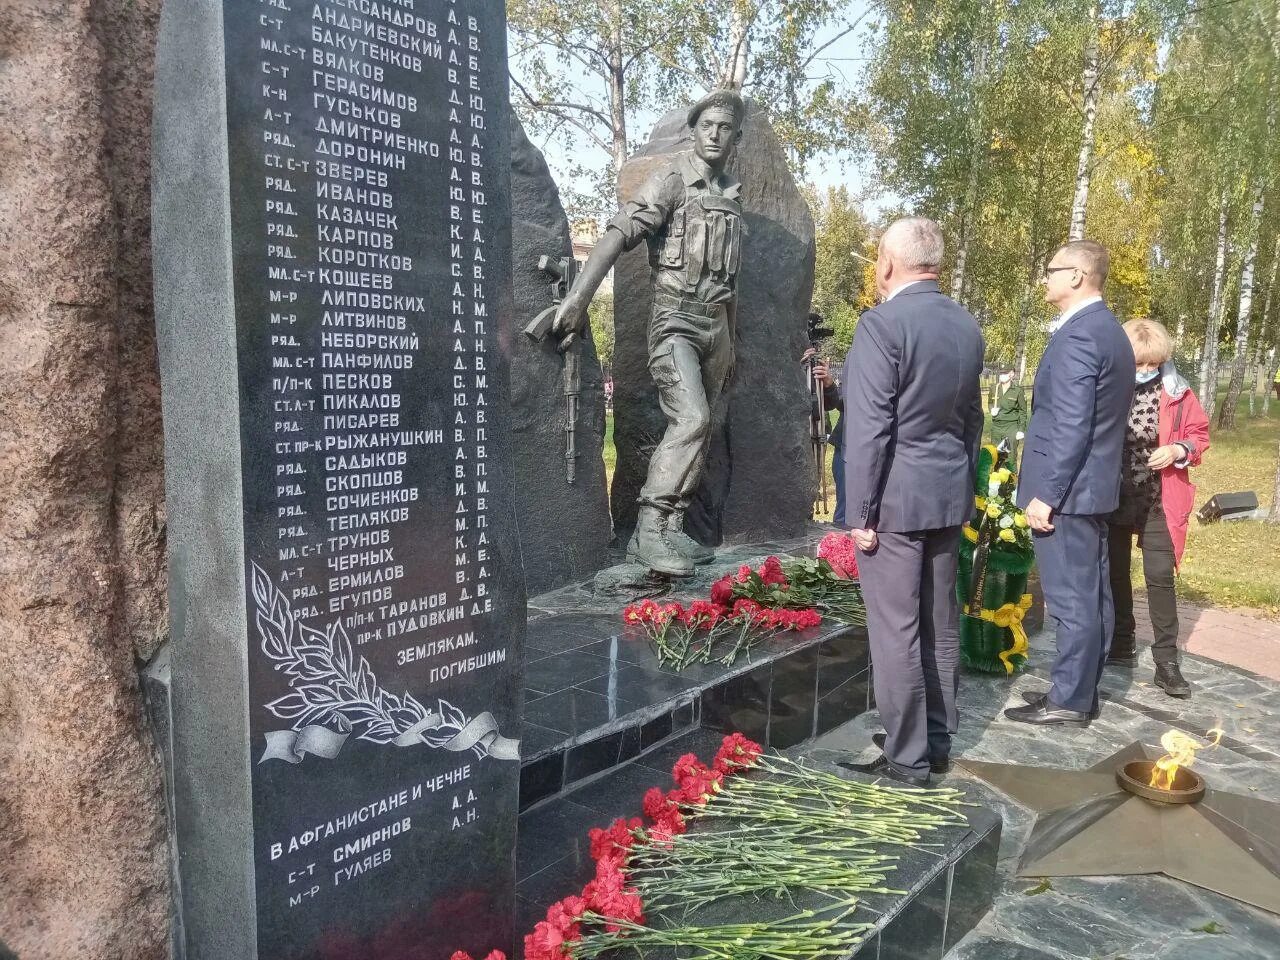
[335, 694]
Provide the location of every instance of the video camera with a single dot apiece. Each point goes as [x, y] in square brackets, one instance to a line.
[817, 332]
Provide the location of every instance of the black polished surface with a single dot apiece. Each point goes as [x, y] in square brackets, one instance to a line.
[372, 720]
[596, 696]
[949, 883]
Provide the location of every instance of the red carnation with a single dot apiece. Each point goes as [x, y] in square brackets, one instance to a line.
[744, 574]
[722, 591]
[771, 573]
[838, 549]
[686, 767]
[737, 752]
[614, 842]
[655, 803]
[546, 943]
[565, 915]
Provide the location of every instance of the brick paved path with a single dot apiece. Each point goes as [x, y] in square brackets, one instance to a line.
[1227, 636]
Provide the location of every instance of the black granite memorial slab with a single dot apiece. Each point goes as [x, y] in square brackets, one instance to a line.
[333, 293]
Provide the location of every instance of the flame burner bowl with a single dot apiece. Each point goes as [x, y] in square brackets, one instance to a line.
[1135, 778]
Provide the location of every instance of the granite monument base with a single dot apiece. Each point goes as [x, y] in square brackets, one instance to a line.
[596, 696]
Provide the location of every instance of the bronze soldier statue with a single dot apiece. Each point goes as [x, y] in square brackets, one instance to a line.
[690, 214]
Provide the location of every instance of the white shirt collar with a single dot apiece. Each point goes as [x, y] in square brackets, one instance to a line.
[898, 290]
[1056, 325]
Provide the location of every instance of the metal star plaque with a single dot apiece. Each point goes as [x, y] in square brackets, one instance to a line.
[1087, 825]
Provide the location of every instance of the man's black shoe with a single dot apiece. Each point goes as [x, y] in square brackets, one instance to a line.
[1169, 679]
[881, 767]
[1122, 658]
[1042, 713]
[1032, 697]
[938, 766]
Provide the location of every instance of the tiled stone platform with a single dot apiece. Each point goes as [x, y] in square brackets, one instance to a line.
[595, 696]
[1108, 918]
[949, 888]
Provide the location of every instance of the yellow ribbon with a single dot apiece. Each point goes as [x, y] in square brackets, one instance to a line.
[1009, 617]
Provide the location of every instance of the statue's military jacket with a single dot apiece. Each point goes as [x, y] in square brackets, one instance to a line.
[694, 229]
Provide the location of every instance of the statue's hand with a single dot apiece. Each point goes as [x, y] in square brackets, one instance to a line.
[570, 318]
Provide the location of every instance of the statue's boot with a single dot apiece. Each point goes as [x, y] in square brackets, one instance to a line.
[688, 546]
[651, 547]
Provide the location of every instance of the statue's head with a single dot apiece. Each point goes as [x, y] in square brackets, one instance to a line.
[716, 123]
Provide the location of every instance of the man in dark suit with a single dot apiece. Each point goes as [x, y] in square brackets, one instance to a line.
[1070, 478]
[913, 426]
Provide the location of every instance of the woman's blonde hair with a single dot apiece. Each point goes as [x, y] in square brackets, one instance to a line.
[1151, 341]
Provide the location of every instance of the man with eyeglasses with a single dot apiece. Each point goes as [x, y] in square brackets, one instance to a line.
[1070, 480]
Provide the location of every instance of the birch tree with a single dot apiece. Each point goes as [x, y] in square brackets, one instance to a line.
[1227, 416]
[580, 69]
[583, 71]
[1209, 352]
[1089, 94]
[1258, 72]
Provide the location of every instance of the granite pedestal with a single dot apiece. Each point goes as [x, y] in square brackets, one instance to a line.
[596, 696]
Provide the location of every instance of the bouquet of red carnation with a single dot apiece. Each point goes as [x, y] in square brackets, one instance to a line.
[838, 549]
[827, 584]
[748, 607]
[610, 904]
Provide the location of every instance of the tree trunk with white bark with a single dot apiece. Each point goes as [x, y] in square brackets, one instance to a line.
[1227, 418]
[1209, 353]
[1265, 328]
[617, 91]
[735, 72]
[1274, 515]
[1080, 203]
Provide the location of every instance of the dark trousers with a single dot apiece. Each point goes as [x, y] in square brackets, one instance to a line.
[913, 618]
[837, 476]
[1000, 431]
[689, 357]
[1158, 569]
[1077, 594]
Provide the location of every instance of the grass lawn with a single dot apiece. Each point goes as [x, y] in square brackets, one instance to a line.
[1235, 564]
[610, 452]
[1226, 564]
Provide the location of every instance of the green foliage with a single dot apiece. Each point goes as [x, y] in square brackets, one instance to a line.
[1234, 564]
[813, 107]
[842, 286]
[600, 320]
[581, 72]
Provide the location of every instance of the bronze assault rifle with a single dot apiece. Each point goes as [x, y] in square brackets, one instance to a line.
[562, 271]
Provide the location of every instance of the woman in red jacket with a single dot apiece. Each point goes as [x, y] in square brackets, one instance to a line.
[1168, 433]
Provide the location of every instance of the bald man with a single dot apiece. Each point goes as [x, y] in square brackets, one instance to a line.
[913, 426]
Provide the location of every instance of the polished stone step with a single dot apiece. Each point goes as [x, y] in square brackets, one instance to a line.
[949, 887]
[596, 696]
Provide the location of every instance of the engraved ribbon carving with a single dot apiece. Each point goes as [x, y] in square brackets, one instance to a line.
[332, 687]
[293, 746]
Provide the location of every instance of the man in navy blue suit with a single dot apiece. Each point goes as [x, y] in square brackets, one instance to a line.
[1070, 478]
[913, 425]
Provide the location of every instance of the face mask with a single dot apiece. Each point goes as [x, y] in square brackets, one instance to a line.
[1146, 376]
[1006, 377]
